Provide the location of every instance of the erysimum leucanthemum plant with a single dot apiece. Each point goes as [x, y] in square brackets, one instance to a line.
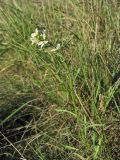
[39, 38]
[59, 102]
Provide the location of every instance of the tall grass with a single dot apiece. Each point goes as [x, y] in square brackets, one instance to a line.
[64, 104]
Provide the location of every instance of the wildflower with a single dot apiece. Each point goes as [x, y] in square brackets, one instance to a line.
[35, 37]
[39, 38]
[41, 44]
[35, 34]
[58, 46]
[34, 40]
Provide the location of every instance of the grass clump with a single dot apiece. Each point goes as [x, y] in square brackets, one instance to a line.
[59, 102]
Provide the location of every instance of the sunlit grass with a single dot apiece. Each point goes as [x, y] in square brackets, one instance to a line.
[62, 104]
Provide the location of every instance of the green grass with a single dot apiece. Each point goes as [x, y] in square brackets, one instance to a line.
[60, 105]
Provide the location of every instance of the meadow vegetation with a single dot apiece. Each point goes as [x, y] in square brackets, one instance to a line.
[61, 105]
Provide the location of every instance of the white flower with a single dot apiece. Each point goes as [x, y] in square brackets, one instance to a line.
[34, 40]
[39, 38]
[42, 43]
[36, 31]
[58, 46]
[34, 37]
[35, 34]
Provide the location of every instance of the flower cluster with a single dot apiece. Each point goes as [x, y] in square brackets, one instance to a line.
[39, 38]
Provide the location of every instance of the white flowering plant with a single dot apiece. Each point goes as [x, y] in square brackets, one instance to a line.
[39, 38]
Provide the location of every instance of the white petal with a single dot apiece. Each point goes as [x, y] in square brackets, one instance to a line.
[33, 35]
[42, 43]
[53, 50]
[36, 31]
[45, 42]
[58, 46]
